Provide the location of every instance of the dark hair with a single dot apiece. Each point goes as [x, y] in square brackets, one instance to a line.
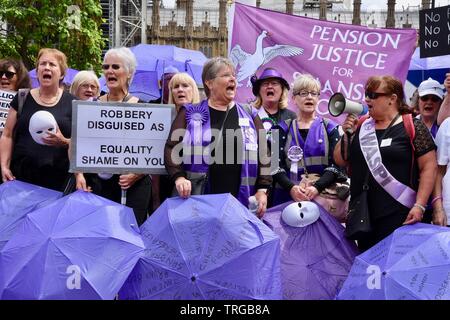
[23, 79]
[392, 86]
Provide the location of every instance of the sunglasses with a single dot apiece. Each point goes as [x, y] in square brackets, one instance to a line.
[430, 96]
[8, 74]
[375, 95]
[114, 66]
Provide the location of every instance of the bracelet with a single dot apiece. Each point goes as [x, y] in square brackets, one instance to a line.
[421, 207]
[436, 199]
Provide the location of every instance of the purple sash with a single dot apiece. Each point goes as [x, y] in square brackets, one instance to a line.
[371, 151]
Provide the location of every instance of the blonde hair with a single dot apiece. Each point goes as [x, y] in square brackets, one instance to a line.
[282, 104]
[60, 57]
[83, 77]
[183, 77]
[305, 82]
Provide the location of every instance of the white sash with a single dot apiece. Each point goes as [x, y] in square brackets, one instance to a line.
[370, 149]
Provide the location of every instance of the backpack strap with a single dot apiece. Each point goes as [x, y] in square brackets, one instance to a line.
[23, 93]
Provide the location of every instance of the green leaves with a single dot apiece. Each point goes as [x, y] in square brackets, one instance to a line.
[72, 26]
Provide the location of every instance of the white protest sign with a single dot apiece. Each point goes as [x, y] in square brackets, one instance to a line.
[5, 100]
[119, 137]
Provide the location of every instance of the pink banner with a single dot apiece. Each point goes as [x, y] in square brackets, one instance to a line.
[341, 56]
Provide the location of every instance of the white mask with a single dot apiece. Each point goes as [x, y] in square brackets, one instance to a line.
[300, 214]
[40, 123]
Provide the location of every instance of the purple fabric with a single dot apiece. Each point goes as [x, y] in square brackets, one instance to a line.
[68, 78]
[80, 238]
[17, 199]
[315, 260]
[410, 264]
[293, 44]
[205, 247]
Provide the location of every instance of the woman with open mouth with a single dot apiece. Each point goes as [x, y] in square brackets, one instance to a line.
[220, 143]
[40, 157]
[308, 143]
[119, 66]
[13, 75]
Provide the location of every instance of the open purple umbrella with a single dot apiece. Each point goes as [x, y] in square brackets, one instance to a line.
[81, 246]
[68, 78]
[411, 263]
[315, 259]
[205, 247]
[17, 199]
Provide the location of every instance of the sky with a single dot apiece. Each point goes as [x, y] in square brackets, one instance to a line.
[367, 3]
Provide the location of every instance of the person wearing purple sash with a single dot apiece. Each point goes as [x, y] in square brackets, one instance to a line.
[219, 142]
[400, 169]
[307, 143]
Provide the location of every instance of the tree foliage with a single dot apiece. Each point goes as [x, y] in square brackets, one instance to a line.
[72, 26]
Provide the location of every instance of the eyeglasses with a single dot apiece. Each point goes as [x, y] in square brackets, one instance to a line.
[8, 74]
[430, 97]
[87, 86]
[273, 83]
[114, 66]
[375, 95]
[304, 94]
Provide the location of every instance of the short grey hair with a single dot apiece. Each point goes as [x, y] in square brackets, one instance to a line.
[128, 60]
[83, 77]
[212, 67]
[305, 82]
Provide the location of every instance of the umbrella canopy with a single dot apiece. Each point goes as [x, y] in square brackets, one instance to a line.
[81, 246]
[205, 247]
[412, 263]
[17, 199]
[316, 259]
[68, 78]
[421, 69]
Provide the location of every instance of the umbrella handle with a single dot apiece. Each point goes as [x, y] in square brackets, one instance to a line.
[123, 198]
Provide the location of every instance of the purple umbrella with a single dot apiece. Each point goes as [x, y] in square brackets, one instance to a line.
[81, 246]
[315, 259]
[68, 78]
[17, 199]
[205, 247]
[410, 264]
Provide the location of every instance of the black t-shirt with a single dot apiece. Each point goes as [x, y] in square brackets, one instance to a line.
[25, 146]
[397, 158]
[222, 167]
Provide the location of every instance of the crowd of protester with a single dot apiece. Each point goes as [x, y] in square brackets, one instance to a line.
[261, 149]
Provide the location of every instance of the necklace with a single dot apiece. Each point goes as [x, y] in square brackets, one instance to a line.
[123, 99]
[53, 101]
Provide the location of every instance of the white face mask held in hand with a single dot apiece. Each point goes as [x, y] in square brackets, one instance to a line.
[41, 122]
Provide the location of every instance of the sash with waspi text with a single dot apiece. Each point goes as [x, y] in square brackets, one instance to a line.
[371, 151]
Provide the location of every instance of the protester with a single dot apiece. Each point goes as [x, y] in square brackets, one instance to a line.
[401, 191]
[444, 111]
[13, 75]
[85, 85]
[307, 143]
[39, 155]
[119, 66]
[182, 90]
[441, 194]
[238, 139]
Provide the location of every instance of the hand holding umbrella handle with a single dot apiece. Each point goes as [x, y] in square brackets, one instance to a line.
[123, 197]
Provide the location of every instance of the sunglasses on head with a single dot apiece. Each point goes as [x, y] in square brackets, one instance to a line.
[114, 66]
[8, 74]
[430, 96]
[375, 95]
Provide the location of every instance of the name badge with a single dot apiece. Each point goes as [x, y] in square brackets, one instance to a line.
[251, 146]
[244, 122]
[386, 142]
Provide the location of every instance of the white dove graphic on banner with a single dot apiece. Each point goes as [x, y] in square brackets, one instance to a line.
[249, 63]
